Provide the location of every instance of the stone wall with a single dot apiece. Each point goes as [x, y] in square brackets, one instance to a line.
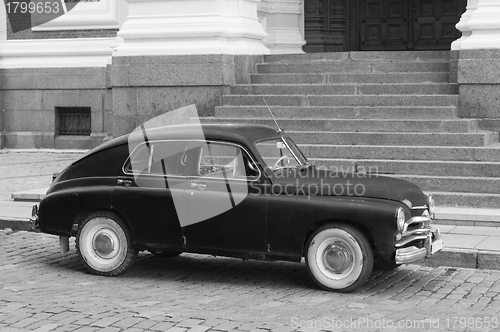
[121, 96]
[2, 138]
[30, 97]
[479, 81]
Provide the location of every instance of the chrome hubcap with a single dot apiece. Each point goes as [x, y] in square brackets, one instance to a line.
[103, 245]
[337, 258]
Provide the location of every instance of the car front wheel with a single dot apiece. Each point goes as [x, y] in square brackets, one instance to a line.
[103, 243]
[339, 258]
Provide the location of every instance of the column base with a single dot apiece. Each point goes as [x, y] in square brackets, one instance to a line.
[177, 27]
[144, 87]
[479, 79]
[285, 41]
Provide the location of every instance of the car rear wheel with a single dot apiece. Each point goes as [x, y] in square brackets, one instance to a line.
[339, 258]
[104, 245]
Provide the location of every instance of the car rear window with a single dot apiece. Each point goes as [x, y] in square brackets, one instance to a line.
[159, 158]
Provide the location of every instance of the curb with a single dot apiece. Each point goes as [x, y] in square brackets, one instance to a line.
[15, 224]
[464, 258]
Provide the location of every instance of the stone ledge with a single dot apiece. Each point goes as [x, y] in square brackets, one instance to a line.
[15, 224]
[34, 195]
[55, 78]
[56, 53]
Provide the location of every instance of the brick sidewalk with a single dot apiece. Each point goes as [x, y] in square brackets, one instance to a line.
[28, 169]
[42, 290]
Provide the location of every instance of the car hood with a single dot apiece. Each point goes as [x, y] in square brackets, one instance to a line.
[312, 181]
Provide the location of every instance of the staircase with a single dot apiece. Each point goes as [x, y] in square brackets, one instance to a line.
[394, 112]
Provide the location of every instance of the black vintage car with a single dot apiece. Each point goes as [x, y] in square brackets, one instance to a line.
[240, 191]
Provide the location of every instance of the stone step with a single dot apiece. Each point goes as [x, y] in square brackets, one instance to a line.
[350, 78]
[481, 154]
[360, 125]
[463, 216]
[346, 89]
[341, 100]
[360, 56]
[349, 112]
[459, 199]
[352, 67]
[412, 167]
[462, 184]
[396, 138]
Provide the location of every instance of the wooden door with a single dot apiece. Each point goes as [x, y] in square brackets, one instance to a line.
[400, 25]
[384, 25]
[434, 23]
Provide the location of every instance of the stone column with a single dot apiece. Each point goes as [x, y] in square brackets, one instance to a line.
[175, 53]
[484, 24]
[3, 22]
[463, 26]
[457, 44]
[282, 21]
[479, 66]
[175, 27]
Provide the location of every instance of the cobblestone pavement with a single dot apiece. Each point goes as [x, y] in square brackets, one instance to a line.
[22, 171]
[42, 290]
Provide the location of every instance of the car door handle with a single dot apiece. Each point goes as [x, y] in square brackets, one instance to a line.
[124, 182]
[200, 186]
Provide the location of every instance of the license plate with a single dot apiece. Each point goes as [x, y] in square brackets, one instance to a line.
[436, 246]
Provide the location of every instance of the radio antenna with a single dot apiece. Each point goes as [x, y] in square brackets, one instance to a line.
[277, 125]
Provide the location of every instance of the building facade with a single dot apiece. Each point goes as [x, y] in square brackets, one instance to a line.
[107, 66]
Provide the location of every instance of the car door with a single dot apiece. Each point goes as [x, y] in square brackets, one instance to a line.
[149, 195]
[225, 204]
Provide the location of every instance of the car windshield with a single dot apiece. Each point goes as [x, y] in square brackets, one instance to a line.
[280, 153]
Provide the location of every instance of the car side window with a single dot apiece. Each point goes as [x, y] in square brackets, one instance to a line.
[169, 158]
[160, 158]
[226, 161]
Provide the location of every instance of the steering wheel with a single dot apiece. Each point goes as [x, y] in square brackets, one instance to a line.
[276, 165]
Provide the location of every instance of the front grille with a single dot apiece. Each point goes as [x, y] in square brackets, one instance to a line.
[415, 232]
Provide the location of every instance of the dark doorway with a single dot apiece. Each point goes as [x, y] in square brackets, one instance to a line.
[381, 25]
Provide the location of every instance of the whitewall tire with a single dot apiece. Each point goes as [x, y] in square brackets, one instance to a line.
[339, 257]
[104, 245]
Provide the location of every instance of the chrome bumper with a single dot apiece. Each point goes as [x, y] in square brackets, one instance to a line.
[433, 243]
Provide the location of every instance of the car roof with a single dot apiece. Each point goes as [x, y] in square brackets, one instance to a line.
[247, 134]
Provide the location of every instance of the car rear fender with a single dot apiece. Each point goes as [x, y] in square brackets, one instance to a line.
[60, 210]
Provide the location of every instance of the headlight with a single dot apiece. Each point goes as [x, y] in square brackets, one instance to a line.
[400, 218]
[430, 204]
